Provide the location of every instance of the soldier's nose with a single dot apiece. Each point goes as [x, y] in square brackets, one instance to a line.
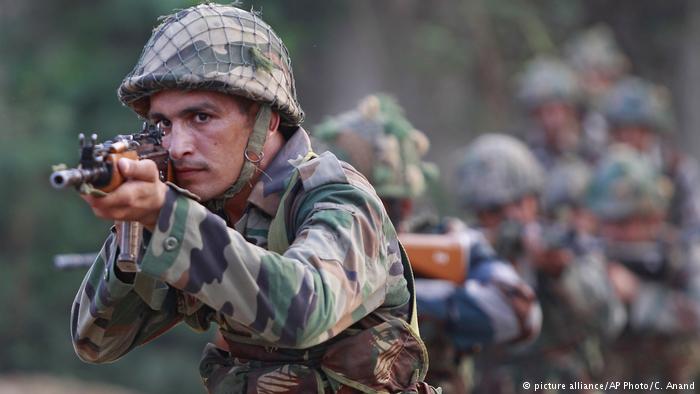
[180, 143]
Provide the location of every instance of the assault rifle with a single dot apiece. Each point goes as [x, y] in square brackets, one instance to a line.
[435, 256]
[97, 173]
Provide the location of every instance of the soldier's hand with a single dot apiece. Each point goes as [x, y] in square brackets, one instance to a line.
[139, 199]
[624, 282]
[552, 261]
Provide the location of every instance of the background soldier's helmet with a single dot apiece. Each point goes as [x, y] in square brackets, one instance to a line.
[627, 184]
[546, 79]
[497, 169]
[219, 48]
[596, 50]
[566, 185]
[635, 102]
[379, 142]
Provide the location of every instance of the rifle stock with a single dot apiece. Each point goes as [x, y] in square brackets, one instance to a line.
[436, 256]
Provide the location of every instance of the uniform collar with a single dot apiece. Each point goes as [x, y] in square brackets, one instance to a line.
[267, 192]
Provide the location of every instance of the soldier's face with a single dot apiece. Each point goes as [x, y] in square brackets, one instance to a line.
[634, 229]
[638, 137]
[596, 82]
[206, 134]
[559, 120]
[523, 211]
[508, 220]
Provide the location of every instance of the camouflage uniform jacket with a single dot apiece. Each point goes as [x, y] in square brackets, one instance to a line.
[579, 308]
[684, 172]
[661, 340]
[342, 273]
[581, 312]
[493, 306]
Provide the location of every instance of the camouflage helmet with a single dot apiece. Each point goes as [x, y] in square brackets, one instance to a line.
[219, 48]
[627, 184]
[566, 184]
[380, 142]
[596, 49]
[635, 102]
[497, 169]
[547, 79]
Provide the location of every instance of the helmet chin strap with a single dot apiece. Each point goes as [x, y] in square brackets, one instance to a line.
[253, 155]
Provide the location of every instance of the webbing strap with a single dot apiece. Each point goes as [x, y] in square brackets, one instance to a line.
[410, 283]
[255, 145]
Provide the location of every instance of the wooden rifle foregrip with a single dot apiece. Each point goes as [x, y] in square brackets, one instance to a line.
[130, 233]
[117, 178]
[129, 245]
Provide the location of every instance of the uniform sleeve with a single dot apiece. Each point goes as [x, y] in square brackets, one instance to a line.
[109, 318]
[493, 306]
[334, 273]
[585, 288]
[685, 207]
[672, 306]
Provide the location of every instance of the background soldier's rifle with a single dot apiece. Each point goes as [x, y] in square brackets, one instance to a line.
[436, 256]
[98, 174]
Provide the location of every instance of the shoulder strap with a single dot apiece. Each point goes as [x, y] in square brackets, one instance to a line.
[277, 238]
[410, 283]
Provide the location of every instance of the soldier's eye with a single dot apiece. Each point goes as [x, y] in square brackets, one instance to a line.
[201, 117]
[164, 124]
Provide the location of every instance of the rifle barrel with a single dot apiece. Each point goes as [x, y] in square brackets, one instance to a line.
[76, 176]
[74, 260]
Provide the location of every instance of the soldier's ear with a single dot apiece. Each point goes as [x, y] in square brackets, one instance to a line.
[274, 122]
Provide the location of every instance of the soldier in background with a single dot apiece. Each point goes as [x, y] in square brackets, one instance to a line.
[563, 199]
[640, 117]
[658, 275]
[290, 253]
[550, 93]
[491, 305]
[381, 143]
[599, 64]
[500, 182]
[570, 227]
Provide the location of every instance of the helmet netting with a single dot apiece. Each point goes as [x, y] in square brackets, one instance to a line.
[218, 48]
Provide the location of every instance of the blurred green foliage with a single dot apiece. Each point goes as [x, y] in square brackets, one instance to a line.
[449, 63]
[66, 59]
